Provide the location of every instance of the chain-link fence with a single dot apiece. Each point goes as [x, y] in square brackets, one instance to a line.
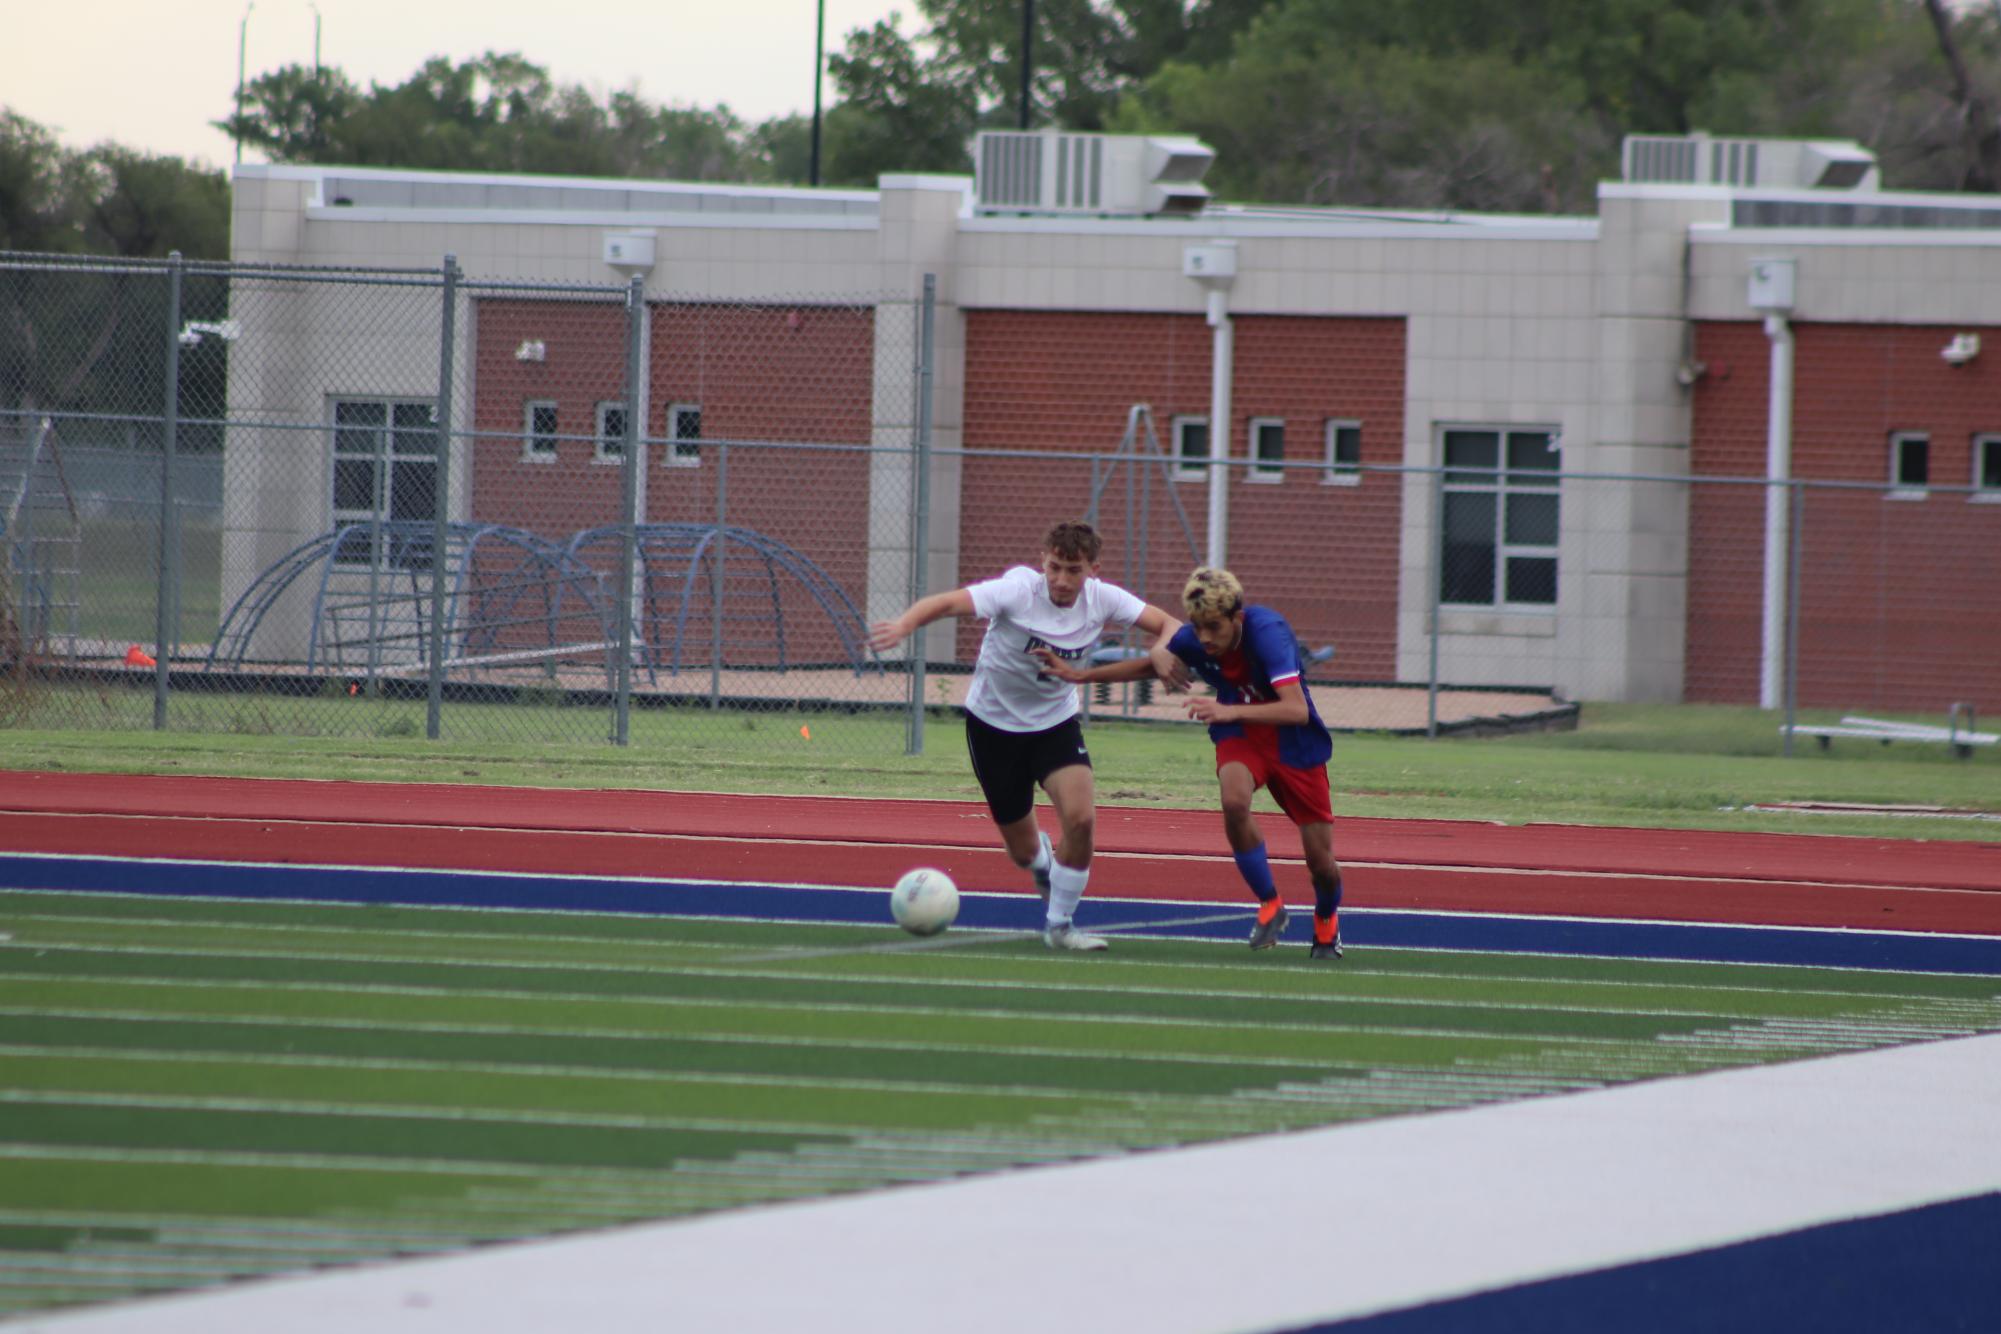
[412, 502]
[378, 502]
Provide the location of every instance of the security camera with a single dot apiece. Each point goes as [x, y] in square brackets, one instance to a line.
[1962, 349]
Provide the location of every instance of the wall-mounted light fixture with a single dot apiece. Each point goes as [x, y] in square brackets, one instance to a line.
[1963, 348]
[532, 349]
[229, 331]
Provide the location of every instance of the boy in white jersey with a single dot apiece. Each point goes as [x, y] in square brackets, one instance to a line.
[1021, 723]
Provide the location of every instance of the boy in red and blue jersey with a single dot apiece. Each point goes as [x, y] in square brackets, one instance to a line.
[1267, 734]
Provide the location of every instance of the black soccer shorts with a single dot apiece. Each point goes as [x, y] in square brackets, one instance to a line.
[1009, 765]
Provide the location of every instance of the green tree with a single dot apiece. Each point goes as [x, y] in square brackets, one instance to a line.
[288, 113]
[1087, 54]
[892, 118]
[498, 112]
[1464, 104]
[782, 148]
[149, 205]
[1379, 126]
[38, 190]
[76, 339]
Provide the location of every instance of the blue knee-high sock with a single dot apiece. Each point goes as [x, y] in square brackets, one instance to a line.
[1255, 868]
[1327, 901]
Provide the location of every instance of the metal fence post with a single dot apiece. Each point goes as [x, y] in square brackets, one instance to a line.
[440, 499]
[1436, 581]
[716, 575]
[1793, 611]
[164, 619]
[920, 523]
[635, 317]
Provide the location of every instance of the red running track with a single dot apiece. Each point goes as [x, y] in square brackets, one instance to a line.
[1680, 875]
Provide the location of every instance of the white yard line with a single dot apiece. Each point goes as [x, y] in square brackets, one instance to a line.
[1250, 1234]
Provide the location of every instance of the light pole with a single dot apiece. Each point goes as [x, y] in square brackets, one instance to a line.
[316, 39]
[819, 55]
[242, 35]
[1027, 57]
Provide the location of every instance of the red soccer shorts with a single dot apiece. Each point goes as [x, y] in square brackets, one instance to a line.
[1301, 793]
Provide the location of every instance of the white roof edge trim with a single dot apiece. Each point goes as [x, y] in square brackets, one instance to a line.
[288, 172]
[1797, 194]
[935, 181]
[1210, 228]
[1722, 234]
[679, 221]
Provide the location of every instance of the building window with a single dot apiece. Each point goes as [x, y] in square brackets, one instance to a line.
[385, 468]
[1501, 517]
[1191, 448]
[1910, 464]
[1267, 449]
[1987, 467]
[611, 432]
[538, 432]
[684, 435]
[1344, 454]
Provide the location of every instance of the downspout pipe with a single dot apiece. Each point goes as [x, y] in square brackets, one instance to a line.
[1778, 474]
[1222, 355]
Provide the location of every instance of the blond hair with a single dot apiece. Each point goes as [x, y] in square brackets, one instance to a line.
[1212, 592]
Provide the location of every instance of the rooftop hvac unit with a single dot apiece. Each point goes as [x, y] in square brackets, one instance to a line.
[1047, 171]
[1697, 159]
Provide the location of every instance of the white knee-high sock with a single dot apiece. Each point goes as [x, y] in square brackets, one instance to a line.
[1066, 887]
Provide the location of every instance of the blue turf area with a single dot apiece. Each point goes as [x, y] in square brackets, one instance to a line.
[1362, 927]
[1932, 1269]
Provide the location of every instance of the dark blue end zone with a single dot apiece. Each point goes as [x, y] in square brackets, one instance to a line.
[1361, 927]
[1928, 1270]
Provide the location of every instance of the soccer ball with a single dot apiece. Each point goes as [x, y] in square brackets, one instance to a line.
[924, 902]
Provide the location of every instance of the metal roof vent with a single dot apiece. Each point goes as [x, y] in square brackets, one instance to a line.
[1048, 171]
[1697, 159]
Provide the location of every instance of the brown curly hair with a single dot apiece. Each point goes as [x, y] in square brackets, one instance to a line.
[1073, 539]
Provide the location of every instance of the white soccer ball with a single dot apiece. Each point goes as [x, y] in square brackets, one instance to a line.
[924, 902]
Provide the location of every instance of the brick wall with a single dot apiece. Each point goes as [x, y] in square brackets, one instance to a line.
[1058, 385]
[791, 375]
[1898, 596]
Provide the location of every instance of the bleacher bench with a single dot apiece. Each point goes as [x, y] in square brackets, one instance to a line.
[1885, 730]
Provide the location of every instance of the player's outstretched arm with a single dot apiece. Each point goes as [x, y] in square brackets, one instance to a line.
[1126, 669]
[1165, 662]
[885, 635]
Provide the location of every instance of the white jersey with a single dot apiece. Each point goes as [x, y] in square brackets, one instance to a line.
[1010, 690]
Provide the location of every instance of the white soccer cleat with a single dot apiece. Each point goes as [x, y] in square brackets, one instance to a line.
[1064, 936]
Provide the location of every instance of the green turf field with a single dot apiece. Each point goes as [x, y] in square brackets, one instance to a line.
[202, 1090]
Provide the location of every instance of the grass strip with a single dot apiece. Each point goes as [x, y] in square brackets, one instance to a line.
[374, 1136]
[1258, 978]
[448, 1088]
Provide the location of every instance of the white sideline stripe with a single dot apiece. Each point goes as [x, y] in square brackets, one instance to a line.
[1232, 907]
[1357, 1219]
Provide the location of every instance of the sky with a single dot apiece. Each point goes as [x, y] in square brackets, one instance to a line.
[152, 74]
